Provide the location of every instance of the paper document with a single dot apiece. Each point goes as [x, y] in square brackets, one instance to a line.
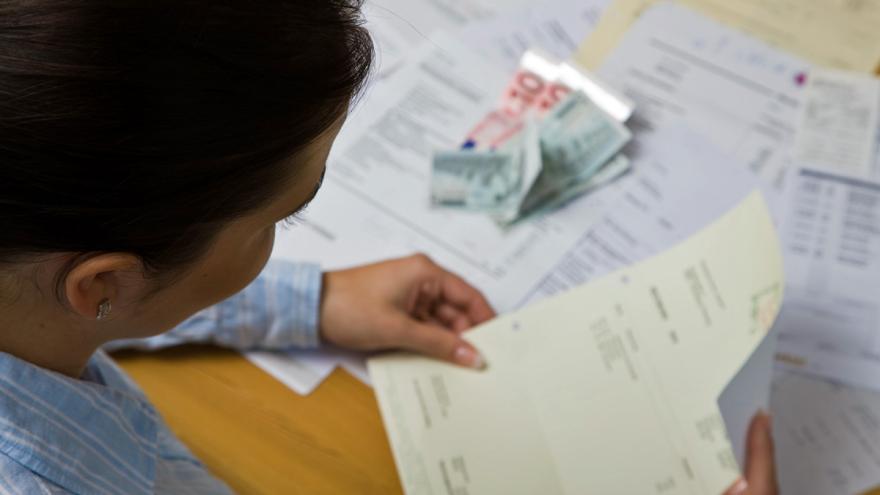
[555, 27]
[876, 169]
[658, 205]
[831, 237]
[837, 33]
[301, 371]
[398, 26]
[827, 437]
[839, 122]
[742, 94]
[608, 388]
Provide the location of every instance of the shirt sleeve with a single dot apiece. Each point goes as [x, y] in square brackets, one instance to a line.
[278, 310]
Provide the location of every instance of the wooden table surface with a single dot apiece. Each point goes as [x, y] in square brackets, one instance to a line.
[258, 435]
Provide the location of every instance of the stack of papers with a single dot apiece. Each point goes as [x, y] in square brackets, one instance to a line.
[730, 97]
[828, 413]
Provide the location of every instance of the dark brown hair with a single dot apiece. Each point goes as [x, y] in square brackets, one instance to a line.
[142, 126]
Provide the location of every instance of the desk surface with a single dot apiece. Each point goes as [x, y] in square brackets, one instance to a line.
[262, 438]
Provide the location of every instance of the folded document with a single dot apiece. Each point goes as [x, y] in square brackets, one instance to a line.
[612, 387]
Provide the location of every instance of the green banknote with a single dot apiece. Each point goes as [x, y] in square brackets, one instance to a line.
[614, 168]
[490, 181]
[577, 139]
[474, 180]
[570, 152]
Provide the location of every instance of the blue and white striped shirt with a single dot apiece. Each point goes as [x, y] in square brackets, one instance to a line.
[100, 435]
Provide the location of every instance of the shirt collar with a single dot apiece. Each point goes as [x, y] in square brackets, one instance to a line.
[81, 435]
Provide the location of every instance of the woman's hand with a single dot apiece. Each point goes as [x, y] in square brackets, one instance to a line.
[408, 303]
[760, 476]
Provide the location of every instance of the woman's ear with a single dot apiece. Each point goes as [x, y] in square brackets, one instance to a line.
[106, 280]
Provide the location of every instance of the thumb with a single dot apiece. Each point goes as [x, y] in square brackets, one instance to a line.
[438, 342]
[760, 465]
[760, 476]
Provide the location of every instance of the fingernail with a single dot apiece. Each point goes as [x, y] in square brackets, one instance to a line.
[739, 487]
[466, 356]
[768, 416]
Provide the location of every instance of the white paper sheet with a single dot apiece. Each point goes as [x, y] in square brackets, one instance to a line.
[831, 240]
[876, 168]
[839, 122]
[301, 371]
[827, 436]
[680, 183]
[399, 26]
[743, 94]
[556, 27]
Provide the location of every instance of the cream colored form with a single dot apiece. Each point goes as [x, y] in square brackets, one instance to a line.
[609, 388]
[837, 33]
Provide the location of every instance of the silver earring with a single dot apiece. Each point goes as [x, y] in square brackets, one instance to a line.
[104, 309]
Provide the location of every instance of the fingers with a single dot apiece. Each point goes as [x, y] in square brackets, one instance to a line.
[437, 342]
[441, 286]
[467, 298]
[738, 488]
[760, 465]
[760, 478]
[428, 306]
[427, 297]
[441, 300]
[452, 318]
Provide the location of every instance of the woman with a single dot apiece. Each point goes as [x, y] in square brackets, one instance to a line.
[147, 150]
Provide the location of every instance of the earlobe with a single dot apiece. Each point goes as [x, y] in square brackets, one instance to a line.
[97, 283]
[104, 309]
